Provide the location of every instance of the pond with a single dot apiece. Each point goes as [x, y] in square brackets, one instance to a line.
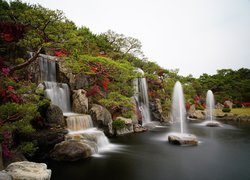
[222, 153]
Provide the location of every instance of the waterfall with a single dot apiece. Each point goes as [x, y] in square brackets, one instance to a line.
[47, 68]
[141, 97]
[79, 122]
[59, 94]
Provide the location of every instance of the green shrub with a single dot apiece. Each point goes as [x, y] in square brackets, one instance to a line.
[27, 148]
[225, 109]
[127, 114]
[118, 124]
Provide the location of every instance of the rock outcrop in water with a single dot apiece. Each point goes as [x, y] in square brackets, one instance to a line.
[70, 151]
[102, 117]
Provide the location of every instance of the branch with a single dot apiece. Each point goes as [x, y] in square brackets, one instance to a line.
[26, 63]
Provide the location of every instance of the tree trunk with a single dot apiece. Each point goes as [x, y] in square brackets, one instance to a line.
[26, 63]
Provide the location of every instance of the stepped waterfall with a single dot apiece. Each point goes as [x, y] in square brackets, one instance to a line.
[59, 94]
[141, 97]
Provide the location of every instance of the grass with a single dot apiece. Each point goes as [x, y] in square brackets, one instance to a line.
[237, 111]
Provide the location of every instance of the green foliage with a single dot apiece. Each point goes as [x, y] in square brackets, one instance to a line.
[118, 124]
[17, 117]
[27, 148]
[127, 114]
[116, 101]
[225, 109]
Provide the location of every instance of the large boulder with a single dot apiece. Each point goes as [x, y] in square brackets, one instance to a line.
[80, 101]
[54, 116]
[5, 176]
[182, 139]
[26, 170]
[102, 117]
[128, 128]
[70, 151]
[197, 114]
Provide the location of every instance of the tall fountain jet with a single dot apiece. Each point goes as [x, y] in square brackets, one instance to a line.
[210, 104]
[178, 109]
[179, 116]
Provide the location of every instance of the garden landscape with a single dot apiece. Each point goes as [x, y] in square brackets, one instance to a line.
[75, 104]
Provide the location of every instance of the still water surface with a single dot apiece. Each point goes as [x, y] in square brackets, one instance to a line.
[223, 153]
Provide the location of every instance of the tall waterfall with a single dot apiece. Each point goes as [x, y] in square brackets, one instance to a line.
[59, 94]
[141, 97]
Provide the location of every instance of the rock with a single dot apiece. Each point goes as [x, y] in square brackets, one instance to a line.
[198, 114]
[128, 126]
[54, 116]
[45, 139]
[219, 106]
[75, 81]
[228, 104]
[102, 117]
[191, 110]
[26, 170]
[212, 124]
[40, 89]
[80, 101]
[156, 110]
[70, 151]
[4, 175]
[182, 139]
[243, 118]
[127, 121]
[136, 116]
[138, 128]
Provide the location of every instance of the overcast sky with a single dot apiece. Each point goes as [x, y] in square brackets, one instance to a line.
[195, 36]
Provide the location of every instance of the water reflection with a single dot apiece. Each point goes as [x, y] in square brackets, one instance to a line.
[224, 153]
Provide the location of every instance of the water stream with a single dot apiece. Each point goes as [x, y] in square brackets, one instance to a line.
[59, 94]
[141, 97]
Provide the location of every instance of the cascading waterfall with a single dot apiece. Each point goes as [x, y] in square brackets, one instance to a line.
[141, 97]
[76, 122]
[59, 94]
[47, 68]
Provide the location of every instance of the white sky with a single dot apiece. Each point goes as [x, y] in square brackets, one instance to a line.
[195, 36]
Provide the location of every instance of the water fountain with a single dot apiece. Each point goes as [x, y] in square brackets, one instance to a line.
[178, 116]
[210, 110]
[141, 97]
[80, 126]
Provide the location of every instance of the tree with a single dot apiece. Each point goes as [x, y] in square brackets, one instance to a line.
[126, 45]
[44, 29]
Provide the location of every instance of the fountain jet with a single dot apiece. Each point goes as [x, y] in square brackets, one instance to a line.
[178, 115]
